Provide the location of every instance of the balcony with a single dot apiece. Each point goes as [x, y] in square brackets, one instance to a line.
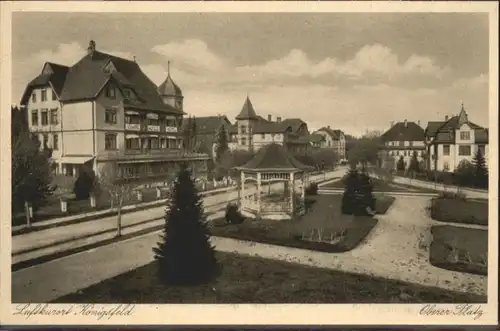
[133, 127]
[153, 128]
[171, 129]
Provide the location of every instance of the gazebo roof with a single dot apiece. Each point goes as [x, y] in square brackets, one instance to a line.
[274, 157]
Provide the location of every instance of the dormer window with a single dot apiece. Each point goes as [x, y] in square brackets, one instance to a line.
[109, 68]
[110, 91]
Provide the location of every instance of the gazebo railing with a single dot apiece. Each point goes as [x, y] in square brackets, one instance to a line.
[279, 207]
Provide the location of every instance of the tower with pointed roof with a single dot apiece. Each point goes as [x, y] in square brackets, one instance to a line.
[171, 93]
[245, 121]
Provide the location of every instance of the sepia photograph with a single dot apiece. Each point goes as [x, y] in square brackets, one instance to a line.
[235, 157]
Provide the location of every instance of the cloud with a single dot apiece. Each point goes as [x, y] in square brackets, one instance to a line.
[194, 57]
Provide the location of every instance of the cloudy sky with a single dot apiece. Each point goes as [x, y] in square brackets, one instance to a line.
[352, 71]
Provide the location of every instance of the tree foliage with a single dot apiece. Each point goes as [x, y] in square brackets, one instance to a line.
[481, 170]
[31, 170]
[414, 166]
[221, 143]
[358, 196]
[364, 150]
[185, 255]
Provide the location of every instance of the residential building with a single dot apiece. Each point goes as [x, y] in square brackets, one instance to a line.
[402, 140]
[252, 132]
[332, 138]
[207, 128]
[104, 108]
[453, 140]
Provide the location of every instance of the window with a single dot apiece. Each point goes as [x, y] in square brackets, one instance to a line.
[33, 97]
[110, 141]
[153, 122]
[55, 142]
[243, 129]
[54, 96]
[34, 117]
[243, 141]
[465, 135]
[464, 150]
[410, 143]
[53, 117]
[155, 143]
[44, 95]
[132, 143]
[45, 140]
[132, 119]
[110, 116]
[446, 166]
[401, 144]
[45, 117]
[482, 149]
[111, 92]
[405, 154]
[263, 136]
[446, 150]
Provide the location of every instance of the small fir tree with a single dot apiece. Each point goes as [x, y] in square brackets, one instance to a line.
[185, 255]
[401, 164]
[413, 168]
[368, 200]
[358, 194]
[31, 169]
[481, 171]
[351, 190]
[221, 143]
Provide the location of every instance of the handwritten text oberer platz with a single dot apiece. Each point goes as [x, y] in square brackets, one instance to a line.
[91, 310]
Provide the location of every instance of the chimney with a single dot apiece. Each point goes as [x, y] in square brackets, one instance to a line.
[91, 48]
[328, 127]
[269, 118]
[418, 122]
[446, 117]
[278, 119]
[406, 123]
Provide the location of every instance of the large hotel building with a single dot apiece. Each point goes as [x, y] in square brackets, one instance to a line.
[104, 108]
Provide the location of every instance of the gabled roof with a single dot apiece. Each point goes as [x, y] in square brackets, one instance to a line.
[274, 157]
[247, 111]
[52, 73]
[444, 131]
[404, 131]
[294, 123]
[270, 127]
[209, 124]
[316, 138]
[334, 134]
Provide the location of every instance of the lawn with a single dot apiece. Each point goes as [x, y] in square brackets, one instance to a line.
[460, 210]
[460, 249]
[245, 279]
[380, 185]
[322, 228]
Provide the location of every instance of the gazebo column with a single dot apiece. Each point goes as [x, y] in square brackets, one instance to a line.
[303, 191]
[292, 192]
[258, 192]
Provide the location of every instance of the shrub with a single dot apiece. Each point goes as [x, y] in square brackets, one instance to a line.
[185, 255]
[233, 215]
[401, 164]
[84, 184]
[452, 195]
[358, 194]
[312, 189]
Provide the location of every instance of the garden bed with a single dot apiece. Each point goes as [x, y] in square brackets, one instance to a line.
[323, 228]
[459, 211]
[380, 185]
[459, 249]
[245, 279]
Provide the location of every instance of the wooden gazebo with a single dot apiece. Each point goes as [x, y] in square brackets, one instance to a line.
[266, 198]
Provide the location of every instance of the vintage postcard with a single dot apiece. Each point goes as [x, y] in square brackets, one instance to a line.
[296, 163]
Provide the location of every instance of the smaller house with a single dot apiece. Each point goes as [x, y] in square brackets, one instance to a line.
[332, 138]
[207, 128]
[404, 139]
[453, 140]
